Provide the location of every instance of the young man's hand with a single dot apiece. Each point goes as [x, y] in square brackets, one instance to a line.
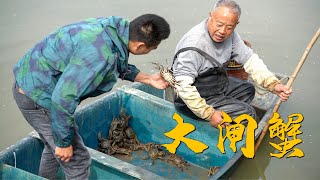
[153, 80]
[282, 91]
[158, 82]
[65, 154]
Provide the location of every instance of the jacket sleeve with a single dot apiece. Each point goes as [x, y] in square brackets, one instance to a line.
[259, 72]
[131, 73]
[185, 71]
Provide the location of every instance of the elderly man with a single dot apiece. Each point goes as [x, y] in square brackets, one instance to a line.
[75, 62]
[199, 67]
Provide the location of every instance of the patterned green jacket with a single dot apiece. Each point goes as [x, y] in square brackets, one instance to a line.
[77, 61]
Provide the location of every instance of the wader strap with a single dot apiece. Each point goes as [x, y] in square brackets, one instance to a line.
[204, 54]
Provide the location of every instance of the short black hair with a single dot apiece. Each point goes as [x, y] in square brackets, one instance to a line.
[150, 29]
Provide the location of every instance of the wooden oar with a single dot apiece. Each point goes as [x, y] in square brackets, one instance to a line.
[292, 78]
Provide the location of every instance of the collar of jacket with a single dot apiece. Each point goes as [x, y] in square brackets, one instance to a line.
[118, 30]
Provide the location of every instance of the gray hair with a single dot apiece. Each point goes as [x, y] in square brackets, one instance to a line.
[233, 6]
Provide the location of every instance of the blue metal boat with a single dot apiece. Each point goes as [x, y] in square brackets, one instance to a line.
[152, 114]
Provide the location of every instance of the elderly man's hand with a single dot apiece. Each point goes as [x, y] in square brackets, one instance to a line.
[216, 119]
[282, 91]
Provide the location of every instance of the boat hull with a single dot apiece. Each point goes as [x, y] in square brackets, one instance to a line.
[152, 116]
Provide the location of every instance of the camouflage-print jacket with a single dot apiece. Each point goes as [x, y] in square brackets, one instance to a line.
[77, 61]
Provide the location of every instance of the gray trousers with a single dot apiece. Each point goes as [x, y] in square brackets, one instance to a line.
[39, 118]
[235, 101]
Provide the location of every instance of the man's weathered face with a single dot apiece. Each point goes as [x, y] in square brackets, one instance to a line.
[221, 23]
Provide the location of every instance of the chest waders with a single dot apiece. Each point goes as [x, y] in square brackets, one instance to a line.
[222, 92]
[211, 84]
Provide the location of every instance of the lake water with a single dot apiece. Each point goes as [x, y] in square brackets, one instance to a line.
[279, 32]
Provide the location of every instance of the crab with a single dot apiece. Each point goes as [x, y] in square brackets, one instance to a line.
[125, 118]
[130, 133]
[132, 138]
[106, 146]
[115, 127]
[178, 161]
[154, 152]
[167, 75]
[213, 170]
[120, 150]
[123, 140]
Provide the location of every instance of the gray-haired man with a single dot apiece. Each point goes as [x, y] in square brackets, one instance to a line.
[199, 66]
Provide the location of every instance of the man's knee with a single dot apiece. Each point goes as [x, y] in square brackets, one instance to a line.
[250, 92]
[251, 88]
[252, 112]
[247, 109]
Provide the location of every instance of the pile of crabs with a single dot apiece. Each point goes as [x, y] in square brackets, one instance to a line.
[123, 140]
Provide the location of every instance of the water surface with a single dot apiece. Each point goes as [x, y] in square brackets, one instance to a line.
[278, 30]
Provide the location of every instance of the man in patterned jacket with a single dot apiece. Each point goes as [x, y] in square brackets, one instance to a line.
[77, 61]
